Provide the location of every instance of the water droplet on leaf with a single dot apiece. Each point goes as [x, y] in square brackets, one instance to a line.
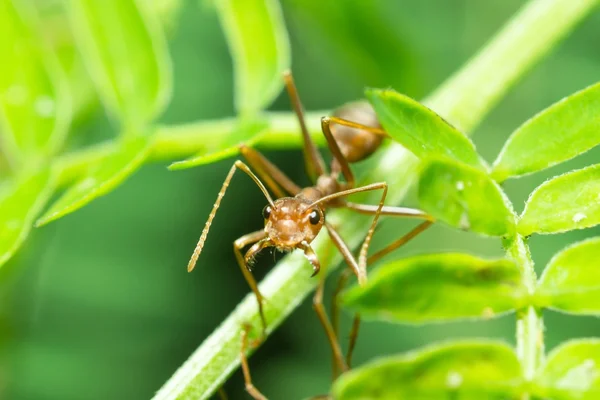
[579, 217]
[454, 380]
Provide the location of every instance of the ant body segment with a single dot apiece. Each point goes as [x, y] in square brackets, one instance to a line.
[295, 218]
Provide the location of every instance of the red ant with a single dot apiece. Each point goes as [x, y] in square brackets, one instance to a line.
[293, 222]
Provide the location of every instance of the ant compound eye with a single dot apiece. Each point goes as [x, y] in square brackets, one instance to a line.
[266, 212]
[314, 217]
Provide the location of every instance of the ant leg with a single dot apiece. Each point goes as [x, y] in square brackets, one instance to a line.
[360, 268]
[364, 249]
[274, 178]
[344, 250]
[352, 338]
[335, 316]
[377, 211]
[338, 358]
[335, 150]
[222, 394]
[395, 212]
[335, 305]
[238, 245]
[392, 246]
[351, 124]
[335, 309]
[326, 123]
[400, 241]
[236, 165]
[339, 364]
[345, 275]
[253, 391]
[315, 166]
[369, 209]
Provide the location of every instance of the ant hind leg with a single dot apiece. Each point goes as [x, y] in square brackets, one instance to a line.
[315, 165]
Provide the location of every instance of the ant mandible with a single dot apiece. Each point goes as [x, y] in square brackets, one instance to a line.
[294, 222]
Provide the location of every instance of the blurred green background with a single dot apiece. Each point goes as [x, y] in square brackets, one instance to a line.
[98, 305]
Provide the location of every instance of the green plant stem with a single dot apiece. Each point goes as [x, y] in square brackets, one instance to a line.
[530, 324]
[463, 100]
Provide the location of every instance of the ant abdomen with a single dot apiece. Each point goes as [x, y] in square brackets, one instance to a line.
[356, 144]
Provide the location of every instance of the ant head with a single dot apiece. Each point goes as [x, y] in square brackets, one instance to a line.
[292, 222]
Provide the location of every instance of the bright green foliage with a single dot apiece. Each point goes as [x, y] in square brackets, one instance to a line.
[571, 281]
[260, 48]
[571, 372]
[464, 197]
[567, 202]
[247, 133]
[419, 129]
[559, 133]
[34, 101]
[54, 22]
[101, 178]
[127, 57]
[20, 203]
[437, 287]
[135, 85]
[468, 370]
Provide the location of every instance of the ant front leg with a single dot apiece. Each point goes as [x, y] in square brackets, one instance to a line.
[256, 238]
[360, 267]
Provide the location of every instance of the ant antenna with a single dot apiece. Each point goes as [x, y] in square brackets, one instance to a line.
[211, 216]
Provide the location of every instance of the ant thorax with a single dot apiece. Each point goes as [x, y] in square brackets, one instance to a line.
[292, 222]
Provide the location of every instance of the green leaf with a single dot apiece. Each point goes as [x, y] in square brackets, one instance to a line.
[464, 197]
[571, 281]
[571, 372]
[462, 370]
[567, 202]
[246, 132]
[260, 48]
[438, 287]
[127, 57]
[20, 202]
[101, 178]
[421, 130]
[35, 107]
[560, 132]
